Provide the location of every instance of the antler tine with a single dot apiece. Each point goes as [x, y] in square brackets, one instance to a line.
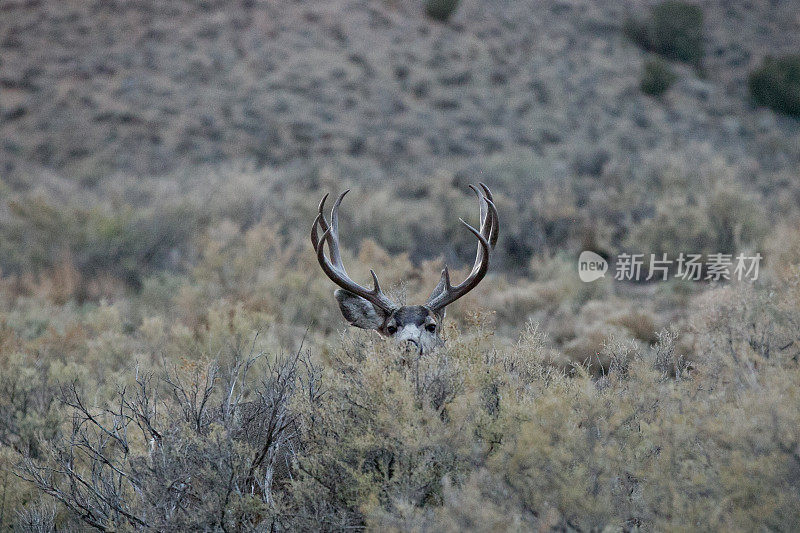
[491, 234]
[488, 219]
[486, 191]
[444, 293]
[482, 203]
[333, 241]
[479, 265]
[496, 227]
[333, 267]
[319, 220]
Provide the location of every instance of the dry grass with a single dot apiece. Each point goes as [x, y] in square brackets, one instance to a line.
[590, 421]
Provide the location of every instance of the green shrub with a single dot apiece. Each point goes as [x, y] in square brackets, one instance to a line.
[441, 10]
[657, 77]
[674, 30]
[776, 84]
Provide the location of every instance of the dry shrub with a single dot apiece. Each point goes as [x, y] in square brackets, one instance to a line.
[587, 347]
[640, 324]
[782, 251]
[588, 419]
[482, 433]
[724, 220]
[745, 327]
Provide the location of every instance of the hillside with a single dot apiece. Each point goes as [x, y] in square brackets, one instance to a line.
[375, 87]
[539, 100]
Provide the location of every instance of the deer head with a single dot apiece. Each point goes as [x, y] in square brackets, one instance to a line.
[417, 326]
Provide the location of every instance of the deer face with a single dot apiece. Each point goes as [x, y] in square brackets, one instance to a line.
[415, 326]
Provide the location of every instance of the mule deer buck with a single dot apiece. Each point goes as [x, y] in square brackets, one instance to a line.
[418, 326]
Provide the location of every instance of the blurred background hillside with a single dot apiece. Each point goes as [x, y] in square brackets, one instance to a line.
[161, 164]
[545, 101]
[377, 91]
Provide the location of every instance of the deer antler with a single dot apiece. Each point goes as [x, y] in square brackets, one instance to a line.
[444, 293]
[333, 267]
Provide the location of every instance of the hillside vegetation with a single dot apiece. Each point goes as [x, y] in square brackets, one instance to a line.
[226, 399]
[172, 357]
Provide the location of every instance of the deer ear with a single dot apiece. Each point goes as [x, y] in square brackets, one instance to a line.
[358, 311]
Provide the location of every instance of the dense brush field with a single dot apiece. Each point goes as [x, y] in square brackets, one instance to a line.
[227, 398]
[172, 357]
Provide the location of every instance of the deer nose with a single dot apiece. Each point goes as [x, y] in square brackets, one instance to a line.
[412, 345]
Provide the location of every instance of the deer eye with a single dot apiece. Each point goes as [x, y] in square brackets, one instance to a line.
[391, 330]
[431, 328]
